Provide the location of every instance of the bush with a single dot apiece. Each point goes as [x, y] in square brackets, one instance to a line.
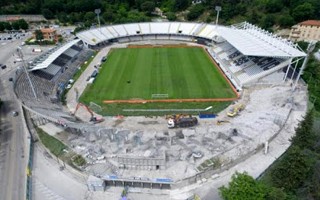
[171, 16]
[79, 160]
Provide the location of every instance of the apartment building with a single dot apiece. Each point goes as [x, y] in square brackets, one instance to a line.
[49, 34]
[306, 31]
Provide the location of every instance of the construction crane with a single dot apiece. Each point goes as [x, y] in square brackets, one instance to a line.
[93, 118]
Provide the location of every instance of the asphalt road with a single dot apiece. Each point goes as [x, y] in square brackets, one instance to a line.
[12, 135]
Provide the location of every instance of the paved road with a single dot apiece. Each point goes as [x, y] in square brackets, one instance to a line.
[12, 134]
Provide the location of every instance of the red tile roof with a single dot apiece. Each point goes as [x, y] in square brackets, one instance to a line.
[310, 23]
[47, 30]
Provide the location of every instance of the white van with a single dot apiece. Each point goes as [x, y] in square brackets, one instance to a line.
[36, 50]
[17, 60]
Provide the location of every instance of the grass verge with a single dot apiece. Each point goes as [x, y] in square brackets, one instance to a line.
[55, 146]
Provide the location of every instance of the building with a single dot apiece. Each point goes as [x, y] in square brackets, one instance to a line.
[28, 18]
[306, 31]
[49, 34]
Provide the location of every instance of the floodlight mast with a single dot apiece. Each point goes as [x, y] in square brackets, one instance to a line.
[20, 54]
[218, 9]
[310, 48]
[98, 11]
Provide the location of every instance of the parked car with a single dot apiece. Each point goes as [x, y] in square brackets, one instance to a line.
[104, 59]
[3, 66]
[15, 113]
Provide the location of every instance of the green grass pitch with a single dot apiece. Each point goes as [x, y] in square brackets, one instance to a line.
[137, 73]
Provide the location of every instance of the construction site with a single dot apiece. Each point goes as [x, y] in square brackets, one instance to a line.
[145, 150]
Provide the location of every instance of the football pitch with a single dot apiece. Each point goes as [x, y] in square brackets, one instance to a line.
[139, 73]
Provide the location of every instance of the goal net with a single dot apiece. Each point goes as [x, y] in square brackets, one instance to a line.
[95, 107]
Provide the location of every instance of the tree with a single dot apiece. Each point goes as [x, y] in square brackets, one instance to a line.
[181, 4]
[243, 186]
[90, 16]
[48, 14]
[171, 16]
[23, 24]
[195, 12]
[303, 12]
[148, 7]
[15, 25]
[108, 16]
[276, 194]
[39, 35]
[267, 22]
[286, 20]
[305, 136]
[293, 169]
[273, 6]
[7, 26]
[2, 27]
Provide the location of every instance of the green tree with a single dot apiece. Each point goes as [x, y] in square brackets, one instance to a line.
[293, 169]
[39, 35]
[315, 181]
[148, 7]
[108, 16]
[267, 22]
[171, 16]
[273, 6]
[243, 186]
[276, 194]
[48, 14]
[181, 4]
[286, 20]
[305, 136]
[7, 26]
[90, 16]
[195, 12]
[2, 26]
[15, 25]
[303, 12]
[23, 24]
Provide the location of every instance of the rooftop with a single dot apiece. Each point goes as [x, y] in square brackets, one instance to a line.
[47, 30]
[310, 23]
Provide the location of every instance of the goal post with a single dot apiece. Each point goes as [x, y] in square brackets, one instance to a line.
[95, 107]
[160, 96]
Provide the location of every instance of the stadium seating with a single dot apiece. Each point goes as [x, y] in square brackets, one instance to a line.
[99, 35]
[71, 52]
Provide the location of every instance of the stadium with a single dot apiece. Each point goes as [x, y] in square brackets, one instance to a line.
[166, 68]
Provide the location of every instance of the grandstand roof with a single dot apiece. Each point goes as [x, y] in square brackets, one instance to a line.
[247, 38]
[55, 55]
[250, 40]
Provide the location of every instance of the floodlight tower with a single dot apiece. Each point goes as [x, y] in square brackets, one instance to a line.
[20, 54]
[98, 11]
[218, 9]
[310, 48]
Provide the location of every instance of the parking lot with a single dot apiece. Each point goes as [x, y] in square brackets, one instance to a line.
[13, 35]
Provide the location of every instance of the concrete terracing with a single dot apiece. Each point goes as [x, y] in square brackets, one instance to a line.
[266, 110]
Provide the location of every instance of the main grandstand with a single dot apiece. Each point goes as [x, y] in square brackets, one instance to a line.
[245, 53]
